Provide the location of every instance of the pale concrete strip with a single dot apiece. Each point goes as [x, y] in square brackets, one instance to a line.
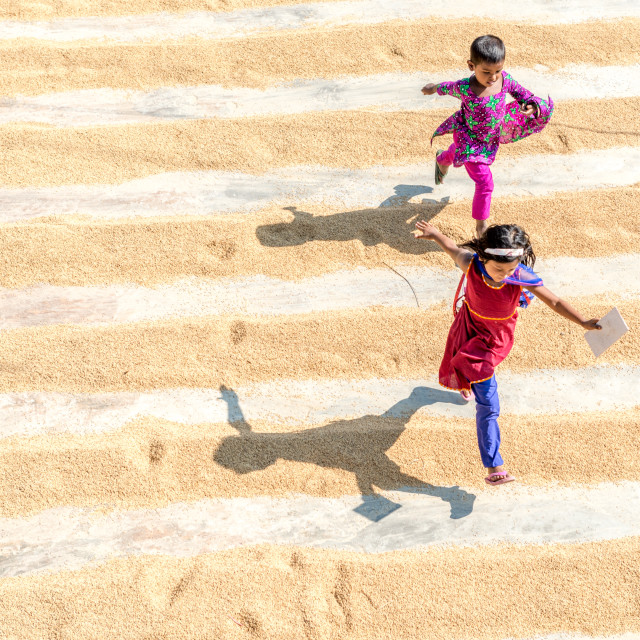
[260, 295]
[388, 92]
[211, 192]
[67, 538]
[300, 402]
[256, 295]
[160, 26]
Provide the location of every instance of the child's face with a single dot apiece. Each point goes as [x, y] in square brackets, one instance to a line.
[487, 73]
[498, 271]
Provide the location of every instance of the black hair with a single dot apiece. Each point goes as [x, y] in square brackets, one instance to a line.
[487, 49]
[503, 236]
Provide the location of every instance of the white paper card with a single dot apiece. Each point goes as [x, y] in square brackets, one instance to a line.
[613, 328]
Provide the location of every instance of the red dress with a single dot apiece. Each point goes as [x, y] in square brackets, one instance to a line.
[481, 335]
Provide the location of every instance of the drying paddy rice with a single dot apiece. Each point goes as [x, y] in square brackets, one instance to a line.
[219, 409]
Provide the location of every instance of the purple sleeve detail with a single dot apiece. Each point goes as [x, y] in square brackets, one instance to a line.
[528, 277]
[521, 94]
[449, 89]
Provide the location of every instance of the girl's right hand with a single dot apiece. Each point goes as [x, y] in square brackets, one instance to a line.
[425, 230]
[429, 89]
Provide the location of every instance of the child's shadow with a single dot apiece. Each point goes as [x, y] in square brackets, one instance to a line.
[387, 224]
[358, 446]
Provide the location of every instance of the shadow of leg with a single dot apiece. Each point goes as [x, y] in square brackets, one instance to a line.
[460, 501]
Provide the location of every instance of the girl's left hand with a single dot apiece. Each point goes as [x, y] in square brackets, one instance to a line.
[589, 325]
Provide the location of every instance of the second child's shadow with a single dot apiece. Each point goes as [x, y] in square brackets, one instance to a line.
[390, 224]
[359, 446]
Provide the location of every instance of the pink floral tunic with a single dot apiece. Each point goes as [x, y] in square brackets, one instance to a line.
[482, 124]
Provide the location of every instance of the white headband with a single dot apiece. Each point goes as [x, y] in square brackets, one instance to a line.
[509, 253]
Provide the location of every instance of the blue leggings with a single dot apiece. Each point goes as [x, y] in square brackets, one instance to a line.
[487, 412]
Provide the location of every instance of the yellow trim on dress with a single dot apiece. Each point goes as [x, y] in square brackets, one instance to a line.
[469, 267]
[488, 285]
[486, 317]
[485, 379]
[472, 382]
[452, 388]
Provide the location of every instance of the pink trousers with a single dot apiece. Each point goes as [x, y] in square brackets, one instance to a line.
[481, 175]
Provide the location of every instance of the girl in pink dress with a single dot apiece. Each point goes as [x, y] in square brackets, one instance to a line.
[497, 268]
[485, 120]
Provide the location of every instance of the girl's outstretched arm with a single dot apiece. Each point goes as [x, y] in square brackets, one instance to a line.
[443, 89]
[426, 231]
[563, 308]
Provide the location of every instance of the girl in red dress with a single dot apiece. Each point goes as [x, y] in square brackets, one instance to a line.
[498, 273]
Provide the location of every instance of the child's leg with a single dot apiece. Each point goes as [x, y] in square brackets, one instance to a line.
[481, 207]
[487, 412]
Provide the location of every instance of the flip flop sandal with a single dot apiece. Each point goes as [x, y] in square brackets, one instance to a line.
[439, 177]
[507, 477]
